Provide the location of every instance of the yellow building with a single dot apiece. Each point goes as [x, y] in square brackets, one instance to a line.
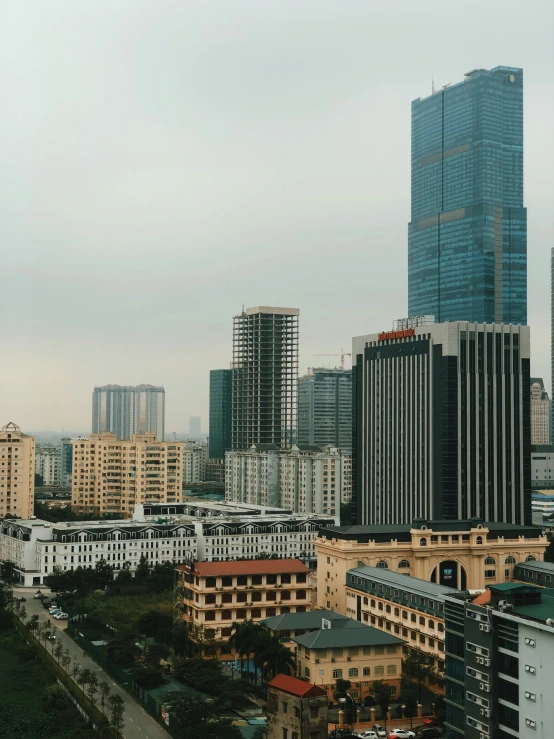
[111, 476]
[214, 595]
[459, 554]
[17, 472]
[348, 650]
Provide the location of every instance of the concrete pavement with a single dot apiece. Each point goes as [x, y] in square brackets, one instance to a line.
[138, 723]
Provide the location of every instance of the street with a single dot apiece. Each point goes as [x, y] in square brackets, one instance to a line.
[138, 723]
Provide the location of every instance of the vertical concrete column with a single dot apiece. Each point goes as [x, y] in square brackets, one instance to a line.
[419, 710]
[341, 718]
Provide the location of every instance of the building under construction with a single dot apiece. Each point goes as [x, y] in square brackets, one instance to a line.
[265, 373]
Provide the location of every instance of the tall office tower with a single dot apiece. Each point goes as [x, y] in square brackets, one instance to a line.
[125, 410]
[467, 253]
[540, 412]
[265, 373]
[443, 424]
[221, 387]
[325, 408]
[17, 472]
[66, 467]
[195, 425]
[112, 476]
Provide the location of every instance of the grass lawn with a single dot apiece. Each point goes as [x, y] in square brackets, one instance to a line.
[24, 682]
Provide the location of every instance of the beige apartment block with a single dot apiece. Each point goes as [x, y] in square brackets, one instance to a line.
[215, 595]
[459, 554]
[112, 476]
[17, 472]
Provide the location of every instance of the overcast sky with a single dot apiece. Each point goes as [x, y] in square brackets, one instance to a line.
[164, 162]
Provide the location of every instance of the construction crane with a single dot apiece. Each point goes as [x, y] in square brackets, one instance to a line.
[342, 355]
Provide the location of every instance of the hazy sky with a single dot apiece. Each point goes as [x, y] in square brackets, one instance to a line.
[164, 162]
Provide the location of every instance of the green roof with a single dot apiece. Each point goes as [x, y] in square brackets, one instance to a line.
[307, 620]
[540, 611]
[347, 636]
[400, 580]
[509, 587]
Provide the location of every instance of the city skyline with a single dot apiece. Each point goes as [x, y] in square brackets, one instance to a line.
[191, 191]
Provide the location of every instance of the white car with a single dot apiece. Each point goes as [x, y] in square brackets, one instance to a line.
[380, 730]
[368, 735]
[402, 733]
[53, 611]
[60, 616]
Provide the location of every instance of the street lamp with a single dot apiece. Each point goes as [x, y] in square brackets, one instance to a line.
[343, 700]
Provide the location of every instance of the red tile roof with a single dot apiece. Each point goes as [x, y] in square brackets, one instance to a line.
[483, 598]
[249, 567]
[294, 686]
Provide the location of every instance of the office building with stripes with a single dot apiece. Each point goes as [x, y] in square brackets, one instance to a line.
[443, 423]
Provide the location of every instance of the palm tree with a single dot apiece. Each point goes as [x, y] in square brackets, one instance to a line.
[248, 638]
[274, 658]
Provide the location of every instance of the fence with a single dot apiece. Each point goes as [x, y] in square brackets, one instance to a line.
[100, 656]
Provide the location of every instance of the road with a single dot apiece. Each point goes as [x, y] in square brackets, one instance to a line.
[138, 723]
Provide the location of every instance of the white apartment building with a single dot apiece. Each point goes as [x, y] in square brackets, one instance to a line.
[17, 472]
[48, 462]
[540, 413]
[111, 476]
[195, 458]
[304, 479]
[38, 546]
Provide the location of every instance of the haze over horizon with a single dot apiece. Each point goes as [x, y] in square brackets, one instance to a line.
[164, 164]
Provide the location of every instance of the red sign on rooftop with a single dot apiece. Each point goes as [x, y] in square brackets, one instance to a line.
[384, 335]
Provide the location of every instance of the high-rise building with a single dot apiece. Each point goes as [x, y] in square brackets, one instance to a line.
[325, 408]
[552, 335]
[195, 458]
[540, 412]
[221, 388]
[195, 426]
[112, 475]
[17, 472]
[467, 251]
[126, 410]
[66, 466]
[48, 464]
[265, 373]
[443, 424]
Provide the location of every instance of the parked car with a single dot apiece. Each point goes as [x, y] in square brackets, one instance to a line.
[61, 616]
[429, 732]
[401, 734]
[380, 730]
[51, 637]
[53, 611]
[431, 722]
[46, 603]
[38, 594]
[368, 735]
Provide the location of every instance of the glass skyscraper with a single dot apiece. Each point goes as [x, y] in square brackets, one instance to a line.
[221, 386]
[325, 408]
[467, 254]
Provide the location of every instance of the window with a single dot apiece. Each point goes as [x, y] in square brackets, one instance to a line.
[314, 712]
[382, 564]
[479, 540]
[530, 558]
[337, 674]
[510, 560]
[391, 669]
[403, 564]
[490, 561]
[391, 649]
[379, 670]
[423, 542]
[296, 712]
[285, 707]
[379, 650]
[353, 672]
[285, 733]
[490, 573]
[307, 672]
[367, 671]
[431, 624]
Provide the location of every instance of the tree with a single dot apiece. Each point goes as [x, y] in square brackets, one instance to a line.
[92, 688]
[103, 574]
[440, 708]
[180, 638]
[549, 551]
[84, 677]
[122, 647]
[147, 675]
[54, 698]
[105, 692]
[273, 658]
[58, 652]
[410, 704]
[124, 577]
[33, 623]
[341, 691]
[152, 621]
[75, 670]
[116, 707]
[143, 571]
[417, 668]
[382, 693]
[191, 716]
[66, 660]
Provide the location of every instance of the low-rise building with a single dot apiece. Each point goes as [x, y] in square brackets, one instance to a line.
[296, 709]
[542, 501]
[111, 476]
[542, 467]
[408, 607]
[348, 650]
[288, 625]
[499, 667]
[305, 479]
[212, 596]
[535, 573]
[459, 554]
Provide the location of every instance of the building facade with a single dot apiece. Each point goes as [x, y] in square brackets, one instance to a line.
[295, 709]
[542, 502]
[302, 479]
[66, 461]
[17, 472]
[540, 412]
[542, 467]
[212, 596]
[126, 410]
[467, 253]
[48, 464]
[161, 533]
[443, 423]
[457, 554]
[111, 476]
[195, 458]
[265, 373]
[325, 408]
[221, 389]
[498, 671]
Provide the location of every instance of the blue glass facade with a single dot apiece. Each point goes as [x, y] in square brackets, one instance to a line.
[219, 440]
[467, 253]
